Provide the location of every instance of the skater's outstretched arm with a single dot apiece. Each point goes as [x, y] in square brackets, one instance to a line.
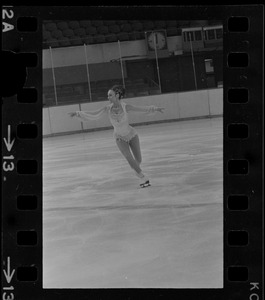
[145, 109]
[89, 115]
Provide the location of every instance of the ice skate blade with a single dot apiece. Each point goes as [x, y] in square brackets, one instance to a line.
[144, 185]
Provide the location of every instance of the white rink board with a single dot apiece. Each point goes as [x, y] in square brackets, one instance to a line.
[195, 104]
[46, 122]
[216, 101]
[61, 121]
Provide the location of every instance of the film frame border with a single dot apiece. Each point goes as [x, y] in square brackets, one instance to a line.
[22, 223]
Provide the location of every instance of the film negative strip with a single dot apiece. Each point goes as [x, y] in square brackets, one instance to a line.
[23, 202]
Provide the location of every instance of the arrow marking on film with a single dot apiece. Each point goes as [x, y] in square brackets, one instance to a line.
[9, 276]
[8, 142]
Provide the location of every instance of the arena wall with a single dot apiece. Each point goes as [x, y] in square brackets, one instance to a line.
[178, 106]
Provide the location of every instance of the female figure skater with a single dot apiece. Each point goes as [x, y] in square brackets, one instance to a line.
[125, 135]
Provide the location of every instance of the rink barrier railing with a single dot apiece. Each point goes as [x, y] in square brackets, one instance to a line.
[178, 107]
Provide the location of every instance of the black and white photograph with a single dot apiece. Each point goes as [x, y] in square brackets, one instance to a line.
[132, 153]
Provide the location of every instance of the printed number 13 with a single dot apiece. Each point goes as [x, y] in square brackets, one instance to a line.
[8, 297]
[8, 166]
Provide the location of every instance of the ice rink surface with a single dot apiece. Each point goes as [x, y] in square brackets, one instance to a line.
[100, 230]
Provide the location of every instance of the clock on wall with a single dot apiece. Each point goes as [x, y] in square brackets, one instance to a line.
[156, 40]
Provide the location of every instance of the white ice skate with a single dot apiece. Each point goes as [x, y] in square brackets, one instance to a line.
[145, 184]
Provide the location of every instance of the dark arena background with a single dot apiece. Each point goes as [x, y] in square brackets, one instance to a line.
[82, 59]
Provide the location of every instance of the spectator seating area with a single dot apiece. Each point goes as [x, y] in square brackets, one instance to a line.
[74, 93]
[62, 33]
[74, 33]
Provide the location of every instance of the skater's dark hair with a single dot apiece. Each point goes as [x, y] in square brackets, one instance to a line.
[119, 89]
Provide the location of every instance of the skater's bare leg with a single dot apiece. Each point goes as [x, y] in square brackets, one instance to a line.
[135, 148]
[125, 150]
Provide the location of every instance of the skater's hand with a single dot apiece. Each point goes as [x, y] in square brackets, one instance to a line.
[72, 114]
[161, 109]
